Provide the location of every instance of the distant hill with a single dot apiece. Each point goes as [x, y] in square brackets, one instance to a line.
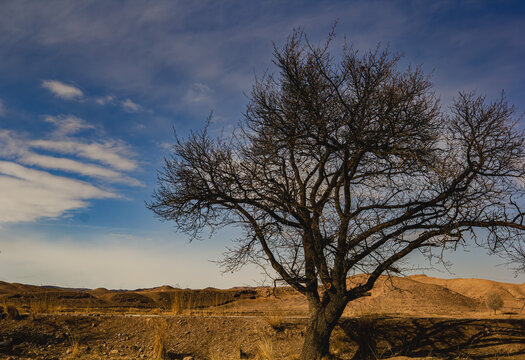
[417, 295]
[513, 294]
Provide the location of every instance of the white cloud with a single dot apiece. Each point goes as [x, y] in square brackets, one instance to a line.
[105, 100]
[130, 106]
[199, 93]
[28, 194]
[165, 145]
[110, 153]
[61, 90]
[10, 144]
[67, 124]
[50, 162]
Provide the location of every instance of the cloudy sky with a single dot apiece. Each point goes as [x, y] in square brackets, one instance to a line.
[91, 91]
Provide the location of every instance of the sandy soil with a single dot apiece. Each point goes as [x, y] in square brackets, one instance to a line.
[203, 337]
[416, 317]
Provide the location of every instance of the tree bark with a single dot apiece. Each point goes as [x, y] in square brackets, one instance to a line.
[322, 322]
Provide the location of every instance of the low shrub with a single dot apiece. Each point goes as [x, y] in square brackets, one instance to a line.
[12, 312]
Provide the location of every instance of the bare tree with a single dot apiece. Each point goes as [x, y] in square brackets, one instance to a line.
[494, 301]
[348, 165]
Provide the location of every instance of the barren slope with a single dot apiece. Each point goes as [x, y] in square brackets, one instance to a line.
[417, 295]
[513, 294]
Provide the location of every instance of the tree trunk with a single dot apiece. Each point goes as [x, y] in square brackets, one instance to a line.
[322, 322]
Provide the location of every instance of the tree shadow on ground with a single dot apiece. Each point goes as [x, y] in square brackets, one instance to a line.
[379, 338]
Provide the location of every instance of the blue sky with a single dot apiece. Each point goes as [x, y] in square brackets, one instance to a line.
[90, 92]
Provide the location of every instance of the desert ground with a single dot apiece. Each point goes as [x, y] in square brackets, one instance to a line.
[414, 317]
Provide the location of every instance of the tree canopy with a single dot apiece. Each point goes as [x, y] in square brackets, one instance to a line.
[346, 165]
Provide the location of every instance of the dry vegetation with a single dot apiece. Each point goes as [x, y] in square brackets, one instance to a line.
[414, 317]
[265, 349]
[74, 346]
[494, 301]
[11, 312]
[160, 351]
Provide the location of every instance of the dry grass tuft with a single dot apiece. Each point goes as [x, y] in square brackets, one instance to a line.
[183, 303]
[176, 304]
[12, 312]
[217, 307]
[44, 305]
[73, 351]
[276, 320]
[265, 350]
[160, 350]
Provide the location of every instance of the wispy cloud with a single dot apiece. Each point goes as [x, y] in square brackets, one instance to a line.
[29, 189]
[10, 144]
[68, 124]
[13, 147]
[199, 93]
[73, 166]
[130, 106]
[70, 92]
[187, 45]
[61, 90]
[109, 152]
[29, 194]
